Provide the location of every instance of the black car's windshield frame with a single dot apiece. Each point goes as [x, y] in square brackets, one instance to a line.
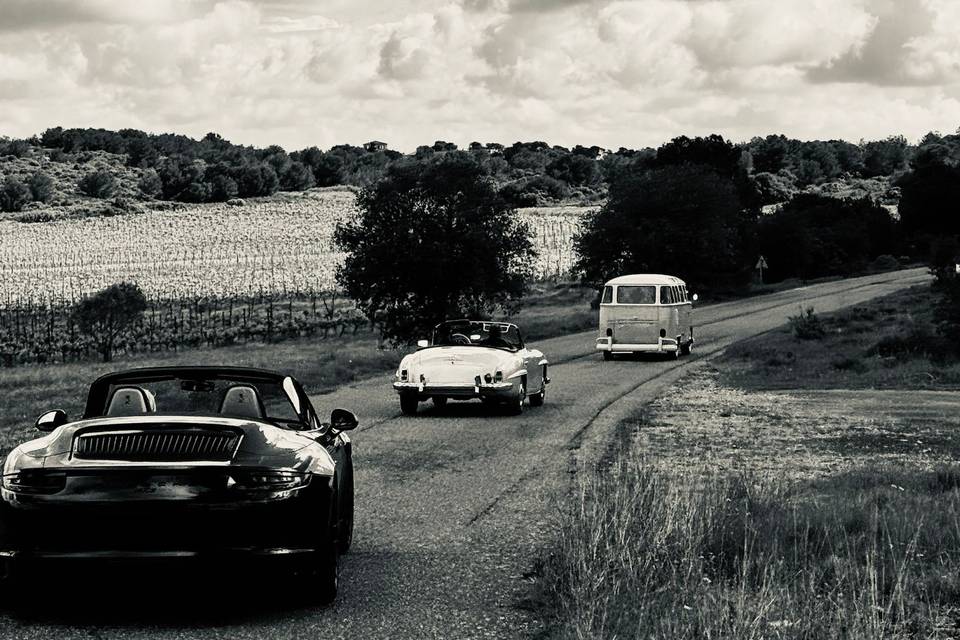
[296, 414]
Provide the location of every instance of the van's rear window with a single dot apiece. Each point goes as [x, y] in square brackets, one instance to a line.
[637, 295]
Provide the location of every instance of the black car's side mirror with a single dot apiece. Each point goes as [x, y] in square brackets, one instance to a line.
[343, 420]
[51, 420]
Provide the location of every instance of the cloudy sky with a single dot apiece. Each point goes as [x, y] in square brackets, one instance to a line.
[615, 73]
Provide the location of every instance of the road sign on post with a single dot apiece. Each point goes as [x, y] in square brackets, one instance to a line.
[761, 265]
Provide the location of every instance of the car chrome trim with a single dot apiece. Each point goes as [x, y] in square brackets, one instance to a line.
[603, 344]
[157, 445]
[148, 554]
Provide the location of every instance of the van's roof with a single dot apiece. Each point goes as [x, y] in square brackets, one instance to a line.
[646, 278]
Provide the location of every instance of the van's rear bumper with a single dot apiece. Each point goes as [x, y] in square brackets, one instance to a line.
[662, 345]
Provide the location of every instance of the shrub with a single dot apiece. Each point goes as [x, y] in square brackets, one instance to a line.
[223, 188]
[14, 194]
[105, 314]
[297, 177]
[886, 262]
[41, 187]
[98, 184]
[807, 325]
[150, 183]
[855, 365]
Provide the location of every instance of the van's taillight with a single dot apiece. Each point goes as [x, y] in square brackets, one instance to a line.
[609, 332]
[663, 333]
[403, 375]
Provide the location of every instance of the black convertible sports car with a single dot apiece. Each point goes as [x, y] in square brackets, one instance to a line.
[184, 462]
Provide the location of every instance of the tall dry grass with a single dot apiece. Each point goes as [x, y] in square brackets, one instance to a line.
[646, 553]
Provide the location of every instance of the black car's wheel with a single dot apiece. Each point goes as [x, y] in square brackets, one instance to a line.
[538, 399]
[6, 540]
[325, 580]
[515, 405]
[319, 573]
[408, 404]
[345, 512]
[439, 402]
[607, 355]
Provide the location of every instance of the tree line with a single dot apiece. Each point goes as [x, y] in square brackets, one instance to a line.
[692, 208]
[180, 168]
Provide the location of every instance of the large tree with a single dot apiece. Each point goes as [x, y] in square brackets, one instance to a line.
[685, 220]
[815, 235]
[930, 204]
[433, 241]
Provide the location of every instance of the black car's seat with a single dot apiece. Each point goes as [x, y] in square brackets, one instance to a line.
[130, 401]
[242, 400]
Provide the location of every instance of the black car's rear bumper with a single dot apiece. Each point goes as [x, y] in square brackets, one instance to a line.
[163, 531]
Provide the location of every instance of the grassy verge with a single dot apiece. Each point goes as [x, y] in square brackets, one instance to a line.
[890, 342]
[798, 488]
[650, 554]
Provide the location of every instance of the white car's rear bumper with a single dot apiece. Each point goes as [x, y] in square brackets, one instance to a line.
[456, 389]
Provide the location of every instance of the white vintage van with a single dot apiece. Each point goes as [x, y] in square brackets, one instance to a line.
[646, 313]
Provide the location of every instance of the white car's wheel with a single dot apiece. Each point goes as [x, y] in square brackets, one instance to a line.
[516, 404]
[538, 399]
[408, 404]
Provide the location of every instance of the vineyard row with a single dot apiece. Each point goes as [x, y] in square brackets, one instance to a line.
[48, 334]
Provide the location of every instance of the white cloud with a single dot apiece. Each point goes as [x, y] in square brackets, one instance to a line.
[614, 73]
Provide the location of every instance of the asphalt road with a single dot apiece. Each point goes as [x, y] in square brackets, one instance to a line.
[452, 505]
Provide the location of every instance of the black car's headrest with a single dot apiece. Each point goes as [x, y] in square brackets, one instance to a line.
[242, 400]
[130, 401]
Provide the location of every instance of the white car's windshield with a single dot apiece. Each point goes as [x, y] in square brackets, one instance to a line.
[499, 335]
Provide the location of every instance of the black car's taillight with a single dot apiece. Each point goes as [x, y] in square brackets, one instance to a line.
[35, 482]
[268, 480]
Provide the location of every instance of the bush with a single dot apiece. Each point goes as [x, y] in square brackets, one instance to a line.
[916, 344]
[41, 187]
[886, 262]
[14, 195]
[807, 325]
[98, 184]
[223, 188]
[297, 177]
[150, 183]
[105, 314]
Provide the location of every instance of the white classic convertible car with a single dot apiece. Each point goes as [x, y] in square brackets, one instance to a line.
[469, 359]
